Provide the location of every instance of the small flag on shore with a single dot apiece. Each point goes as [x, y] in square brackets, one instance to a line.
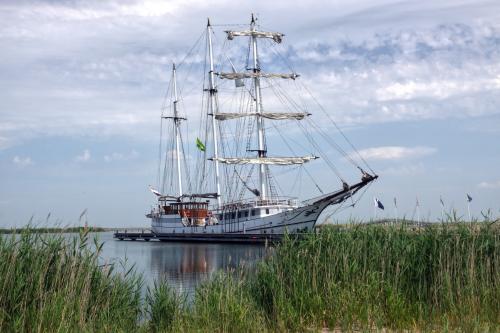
[83, 213]
[469, 198]
[395, 203]
[441, 201]
[200, 145]
[378, 203]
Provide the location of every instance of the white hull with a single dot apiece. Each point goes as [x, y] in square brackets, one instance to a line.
[295, 220]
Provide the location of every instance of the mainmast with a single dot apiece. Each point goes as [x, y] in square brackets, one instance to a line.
[177, 121]
[258, 110]
[212, 105]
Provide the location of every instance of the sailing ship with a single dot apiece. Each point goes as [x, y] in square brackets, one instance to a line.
[240, 194]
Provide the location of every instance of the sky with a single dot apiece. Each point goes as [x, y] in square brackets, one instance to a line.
[414, 84]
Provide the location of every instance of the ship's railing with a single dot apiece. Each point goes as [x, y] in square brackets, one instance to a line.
[252, 203]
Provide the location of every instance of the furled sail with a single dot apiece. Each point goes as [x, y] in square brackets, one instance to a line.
[276, 36]
[266, 160]
[267, 115]
[249, 75]
[200, 195]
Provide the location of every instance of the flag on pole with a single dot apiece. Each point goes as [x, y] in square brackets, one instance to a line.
[441, 201]
[378, 204]
[469, 199]
[200, 145]
[417, 208]
[83, 214]
[395, 210]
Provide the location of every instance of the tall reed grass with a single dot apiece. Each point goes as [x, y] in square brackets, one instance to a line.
[441, 278]
[50, 284]
[384, 277]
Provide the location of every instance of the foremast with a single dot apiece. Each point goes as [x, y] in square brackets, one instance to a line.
[261, 159]
[261, 152]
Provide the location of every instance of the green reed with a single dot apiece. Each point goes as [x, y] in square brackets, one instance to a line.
[384, 277]
[445, 277]
[51, 284]
[225, 304]
[165, 308]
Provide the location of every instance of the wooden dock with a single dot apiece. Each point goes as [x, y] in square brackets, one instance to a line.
[198, 237]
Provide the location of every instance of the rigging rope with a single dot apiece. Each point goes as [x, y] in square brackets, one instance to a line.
[338, 129]
[293, 152]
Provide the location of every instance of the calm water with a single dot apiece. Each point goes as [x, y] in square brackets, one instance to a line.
[183, 265]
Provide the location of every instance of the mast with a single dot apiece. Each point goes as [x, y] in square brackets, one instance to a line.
[177, 121]
[258, 111]
[212, 105]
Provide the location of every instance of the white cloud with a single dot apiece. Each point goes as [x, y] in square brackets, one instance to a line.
[121, 157]
[489, 185]
[4, 143]
[84, 157]
[404, 170]
[430, 89]
[394, 152]
[105, 64]
[22, 161]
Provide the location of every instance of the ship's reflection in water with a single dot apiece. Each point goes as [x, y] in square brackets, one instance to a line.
[183, 265]
[186, 265]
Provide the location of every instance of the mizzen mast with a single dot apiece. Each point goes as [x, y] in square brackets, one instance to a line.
[177, 121]
[177, 133]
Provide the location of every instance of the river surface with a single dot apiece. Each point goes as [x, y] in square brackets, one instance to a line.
[183, 265]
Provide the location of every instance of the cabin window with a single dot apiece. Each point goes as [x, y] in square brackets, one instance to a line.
[233, 216]
[246, 213]
[267, 210]
[239, 214]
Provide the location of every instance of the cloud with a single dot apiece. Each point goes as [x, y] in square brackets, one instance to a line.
[22, 161]
[394, 152]
[489, 185]
[104, 65]
[404, 170]
[84, 157]
[4, 143]
[121, 157]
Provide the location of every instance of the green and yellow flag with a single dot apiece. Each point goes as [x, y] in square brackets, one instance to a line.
[200, 145]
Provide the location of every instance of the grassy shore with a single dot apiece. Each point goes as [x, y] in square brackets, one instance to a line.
[53, 230]
[364, 278]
